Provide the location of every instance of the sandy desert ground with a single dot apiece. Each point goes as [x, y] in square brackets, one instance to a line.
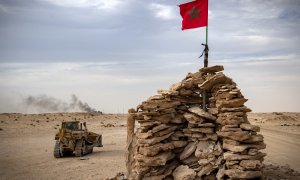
[27, 143]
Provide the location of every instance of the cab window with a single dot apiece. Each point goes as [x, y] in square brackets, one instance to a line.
[71, 126]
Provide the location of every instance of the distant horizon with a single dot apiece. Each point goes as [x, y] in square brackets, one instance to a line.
[114, 113]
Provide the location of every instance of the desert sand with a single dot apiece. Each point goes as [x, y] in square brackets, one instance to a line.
[27, 142]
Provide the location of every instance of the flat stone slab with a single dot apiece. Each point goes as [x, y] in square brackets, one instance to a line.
[237, 157]
[250, 127]
[200, 112]
[241, 148]
[235, 135]
[192, 118]
[212, 81]
[158, 160]
[154, 140]
[212, 69]
[188, 150]
[234, 173]
[155, 149]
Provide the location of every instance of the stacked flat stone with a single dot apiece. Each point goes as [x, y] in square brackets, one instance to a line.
[177, 139]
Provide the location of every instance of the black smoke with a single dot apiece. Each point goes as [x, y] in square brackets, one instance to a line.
[44, 103]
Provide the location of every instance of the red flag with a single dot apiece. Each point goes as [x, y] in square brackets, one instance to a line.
[194, 14]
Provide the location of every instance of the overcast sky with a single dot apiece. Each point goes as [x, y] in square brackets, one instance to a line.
[113, 54]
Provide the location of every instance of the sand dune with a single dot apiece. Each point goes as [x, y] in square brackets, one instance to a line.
[27, 143]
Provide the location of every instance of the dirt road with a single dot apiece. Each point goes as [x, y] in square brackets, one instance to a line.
[283, 147]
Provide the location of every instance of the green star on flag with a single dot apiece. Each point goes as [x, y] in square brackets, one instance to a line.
[194, 13]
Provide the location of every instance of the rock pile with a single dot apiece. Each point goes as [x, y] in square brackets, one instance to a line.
[178, 140]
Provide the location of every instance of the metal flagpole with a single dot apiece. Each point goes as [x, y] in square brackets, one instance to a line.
[206, 33]
[206, 49]
[205, 65]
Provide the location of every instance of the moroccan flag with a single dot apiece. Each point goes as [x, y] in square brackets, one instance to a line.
[194, 14]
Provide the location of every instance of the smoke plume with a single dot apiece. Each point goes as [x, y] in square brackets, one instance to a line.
[44, 103]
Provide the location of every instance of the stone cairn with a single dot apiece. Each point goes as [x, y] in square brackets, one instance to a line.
[177, 139]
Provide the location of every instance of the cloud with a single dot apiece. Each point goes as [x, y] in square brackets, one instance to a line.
[98, 4]
[3, 9]
[142, 30]
[164, 12]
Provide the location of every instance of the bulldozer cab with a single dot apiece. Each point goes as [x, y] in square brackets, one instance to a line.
[72, 125]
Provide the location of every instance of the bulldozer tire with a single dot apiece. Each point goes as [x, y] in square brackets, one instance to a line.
[78, 148]
[57, 151]
[81, 148]
[84, 148]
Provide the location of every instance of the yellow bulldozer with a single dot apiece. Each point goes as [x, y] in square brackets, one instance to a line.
[74, 138]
